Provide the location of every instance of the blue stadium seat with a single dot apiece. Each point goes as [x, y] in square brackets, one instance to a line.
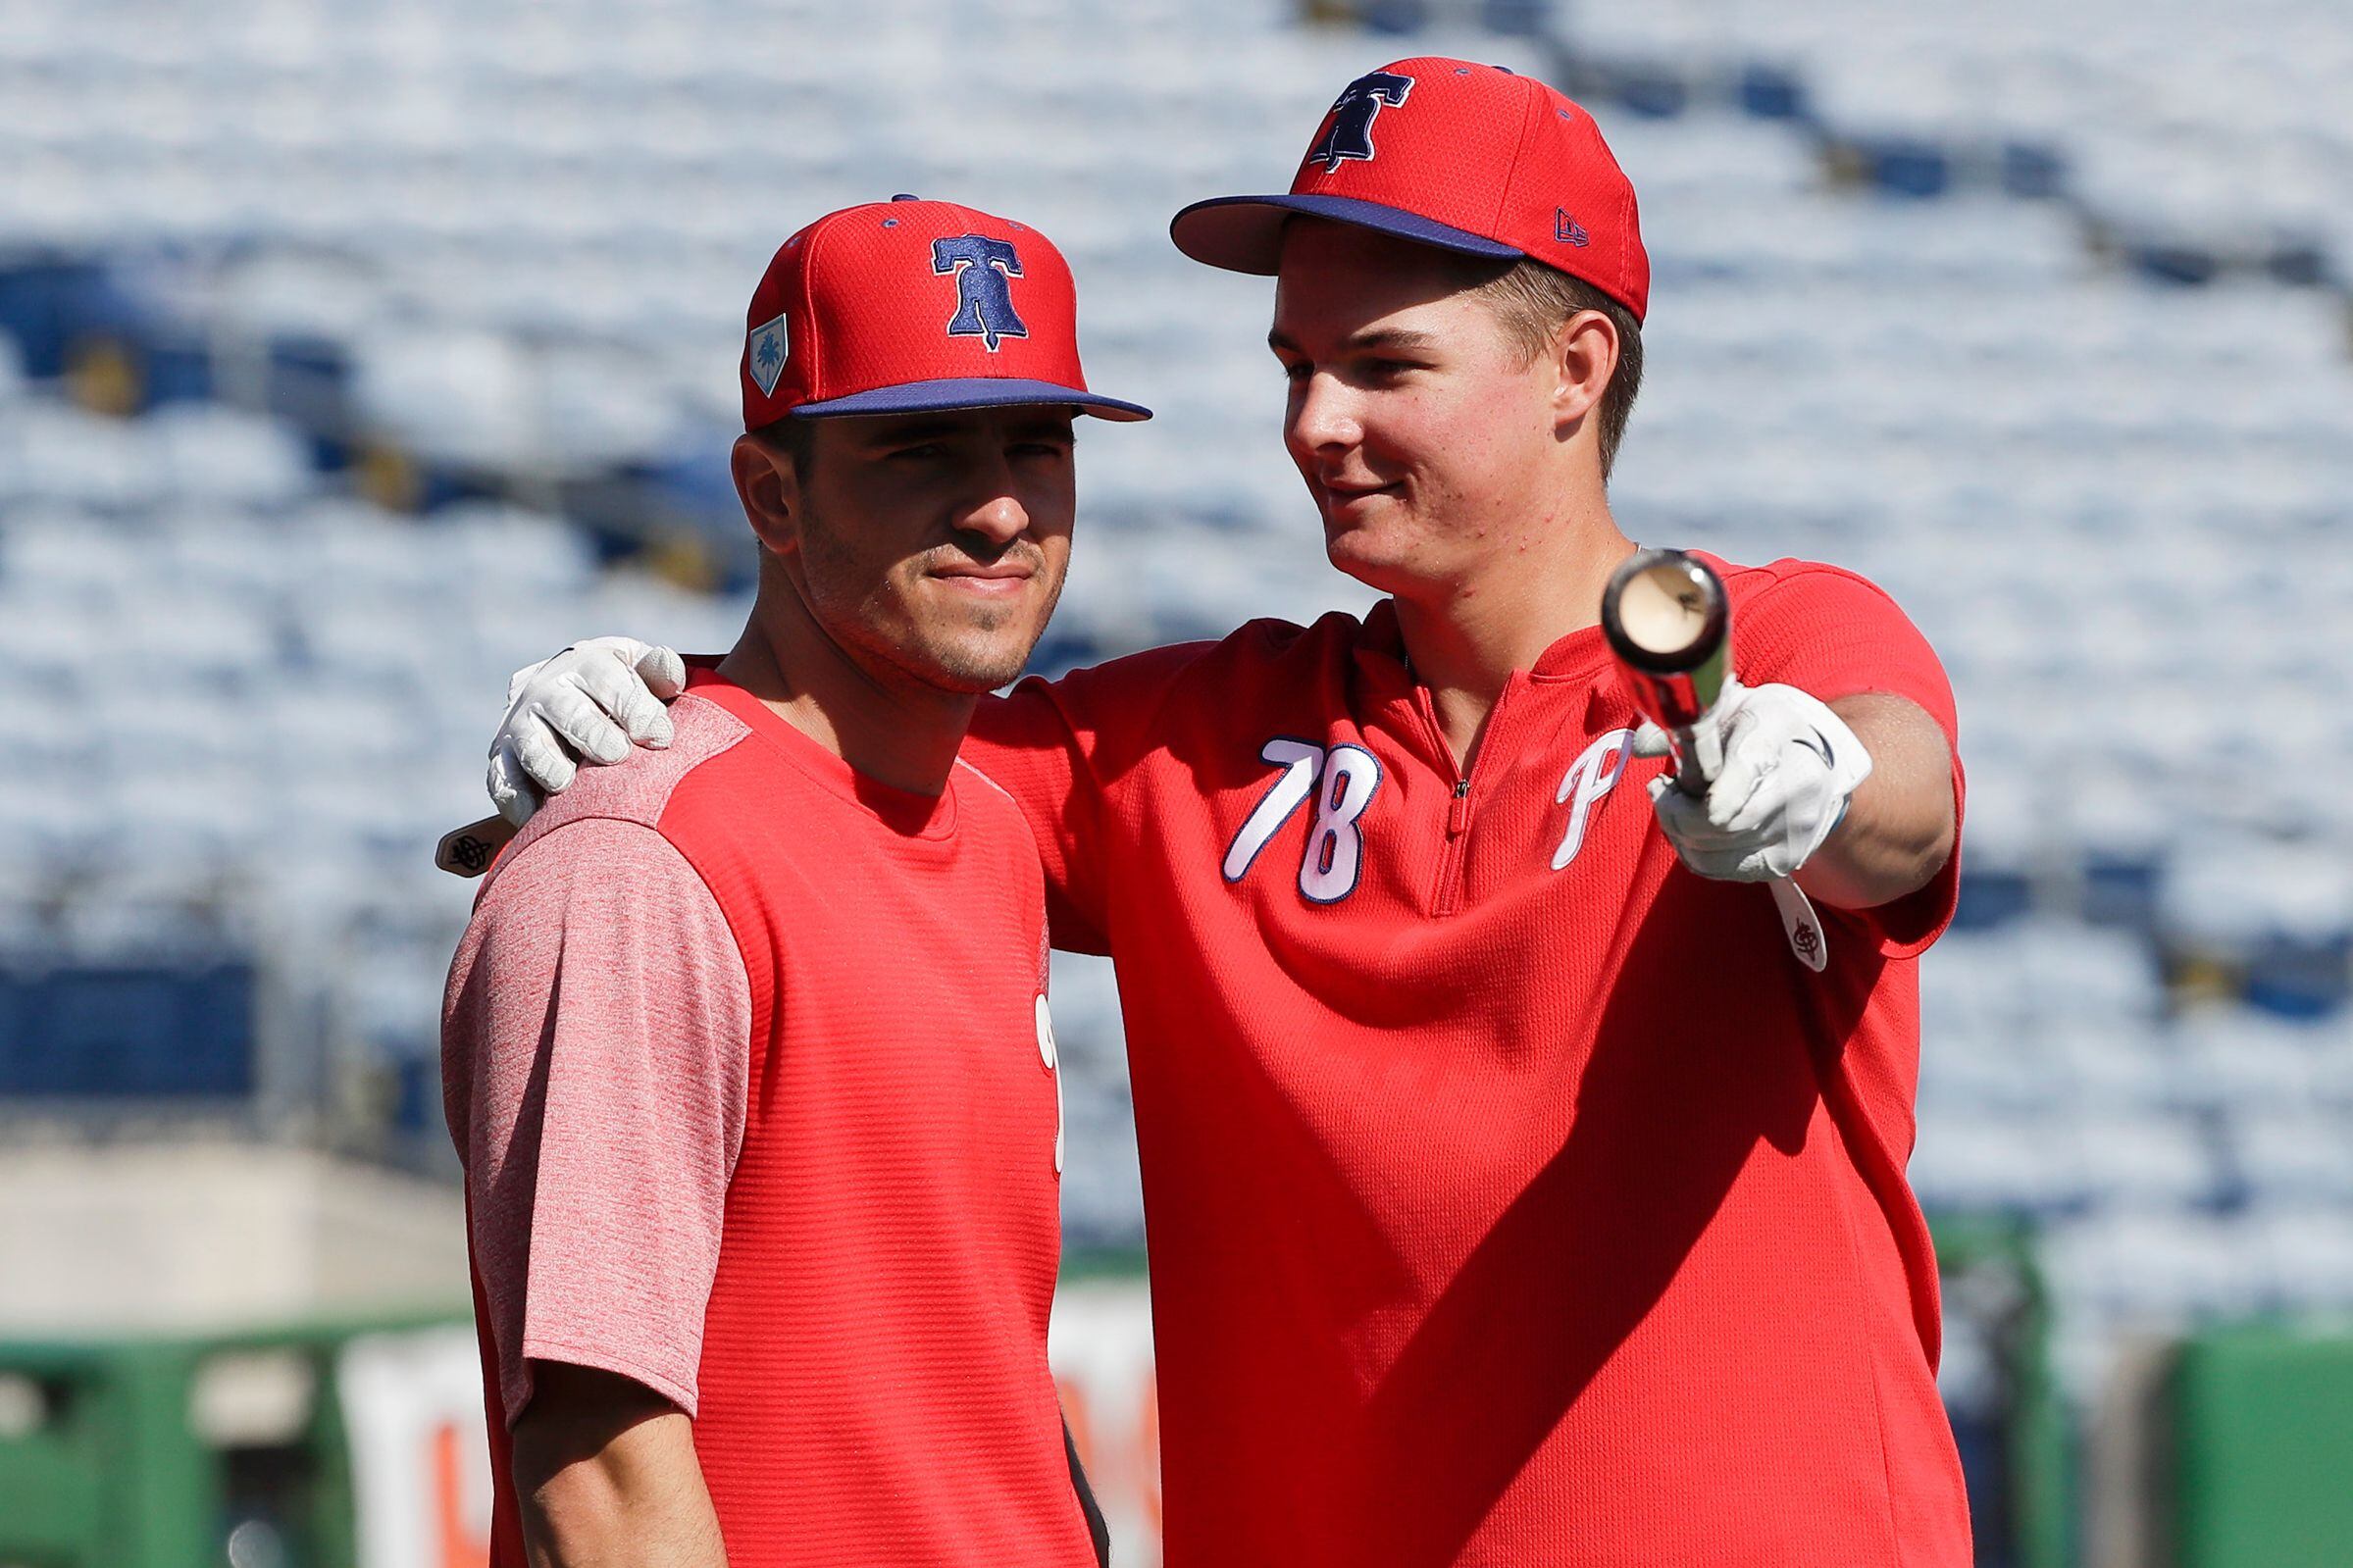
[504, 254]
[127, 1033]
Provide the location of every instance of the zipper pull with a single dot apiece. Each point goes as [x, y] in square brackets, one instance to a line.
[1457, 813]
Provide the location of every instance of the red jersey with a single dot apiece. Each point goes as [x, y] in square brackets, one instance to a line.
[830, 1238]
[1513, 1195]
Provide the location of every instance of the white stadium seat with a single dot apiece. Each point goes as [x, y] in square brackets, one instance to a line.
[238, 692]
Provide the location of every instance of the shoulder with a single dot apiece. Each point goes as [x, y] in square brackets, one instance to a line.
[642, 787]
[1813, 599]
[589, 870]
[1794, 585]
[1003, 847]
[989, 814]
[1271, 643]
[1221, 670]
[616, 814]
[585, 905]
[1834, 632]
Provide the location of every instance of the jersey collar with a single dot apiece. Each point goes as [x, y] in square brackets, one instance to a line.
[902, 811]
[1581, 655]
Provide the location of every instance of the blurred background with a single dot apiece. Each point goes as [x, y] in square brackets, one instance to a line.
[351, 356]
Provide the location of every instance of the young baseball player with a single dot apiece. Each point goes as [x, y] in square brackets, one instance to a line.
[746, 1049]
[1513, 1193]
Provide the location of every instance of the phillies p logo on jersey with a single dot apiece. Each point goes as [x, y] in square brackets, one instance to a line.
[1349, 134]
[984, 292]
[1593, 774]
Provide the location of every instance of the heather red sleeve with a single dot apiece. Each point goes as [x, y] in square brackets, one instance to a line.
[1834, 634]
[1063, 749]
[596, 1046]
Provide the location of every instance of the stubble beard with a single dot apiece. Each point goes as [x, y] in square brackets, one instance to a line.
[976, 660]
[886, 627]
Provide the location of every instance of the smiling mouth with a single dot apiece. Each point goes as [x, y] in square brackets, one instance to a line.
[996, 580]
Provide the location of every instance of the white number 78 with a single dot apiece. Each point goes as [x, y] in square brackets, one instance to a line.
[1334, 855]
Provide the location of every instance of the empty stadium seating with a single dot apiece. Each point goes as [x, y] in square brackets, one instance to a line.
[406, 320]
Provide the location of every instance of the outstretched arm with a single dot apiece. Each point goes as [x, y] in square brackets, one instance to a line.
[1837, 767]
[599, 700]
[1852, 799]
[1899, 827]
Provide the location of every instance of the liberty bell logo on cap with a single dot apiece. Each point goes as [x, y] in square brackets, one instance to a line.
[984, 269]
[916, 307]
[1349, 134]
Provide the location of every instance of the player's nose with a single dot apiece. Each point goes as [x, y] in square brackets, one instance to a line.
[1001, 518]
[1322, 414]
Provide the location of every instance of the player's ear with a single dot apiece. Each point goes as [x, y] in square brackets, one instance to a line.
[1583, 358]
[769, 485]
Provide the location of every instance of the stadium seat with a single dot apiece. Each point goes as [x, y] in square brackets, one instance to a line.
[502, 254]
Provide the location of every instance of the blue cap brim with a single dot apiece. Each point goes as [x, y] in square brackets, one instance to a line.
[971, 391]
[1245, 233]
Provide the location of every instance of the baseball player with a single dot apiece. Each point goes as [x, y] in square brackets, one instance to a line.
[758, 1108]
[1513, 1193]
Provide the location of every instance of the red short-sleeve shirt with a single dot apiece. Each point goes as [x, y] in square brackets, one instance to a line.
[749, 1060]
[1512, 1193]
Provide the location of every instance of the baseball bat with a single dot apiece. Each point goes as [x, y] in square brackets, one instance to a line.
[1669, 623]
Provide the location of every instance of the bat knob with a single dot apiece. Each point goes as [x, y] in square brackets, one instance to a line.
[469, 850]
[1664, 612]
[1669, 623]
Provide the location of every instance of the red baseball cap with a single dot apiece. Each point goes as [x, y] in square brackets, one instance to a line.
[1465, 157]
[907, 307]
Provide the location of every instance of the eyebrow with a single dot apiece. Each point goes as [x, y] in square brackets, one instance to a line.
[895, 435]
[1391, 337]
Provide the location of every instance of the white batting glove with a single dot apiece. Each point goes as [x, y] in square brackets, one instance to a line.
[596, 699]
[1790, 766]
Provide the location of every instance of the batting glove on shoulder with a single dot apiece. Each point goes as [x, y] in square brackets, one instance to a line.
[1790, 766]
[593, 700]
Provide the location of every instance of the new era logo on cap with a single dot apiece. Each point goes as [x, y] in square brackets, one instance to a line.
[911, 306]
[1464, 157]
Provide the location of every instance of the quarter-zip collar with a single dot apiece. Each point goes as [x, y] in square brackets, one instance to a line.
[1381, 655]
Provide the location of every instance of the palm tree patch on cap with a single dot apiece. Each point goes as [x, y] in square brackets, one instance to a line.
[768, 349]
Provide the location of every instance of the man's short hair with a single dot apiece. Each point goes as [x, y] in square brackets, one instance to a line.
[1532, 300]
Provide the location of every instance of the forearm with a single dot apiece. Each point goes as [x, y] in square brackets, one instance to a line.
[607, 1478]
[1899, 829]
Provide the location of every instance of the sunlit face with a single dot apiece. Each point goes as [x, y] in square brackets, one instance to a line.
[1420, 426]
[935, 544]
